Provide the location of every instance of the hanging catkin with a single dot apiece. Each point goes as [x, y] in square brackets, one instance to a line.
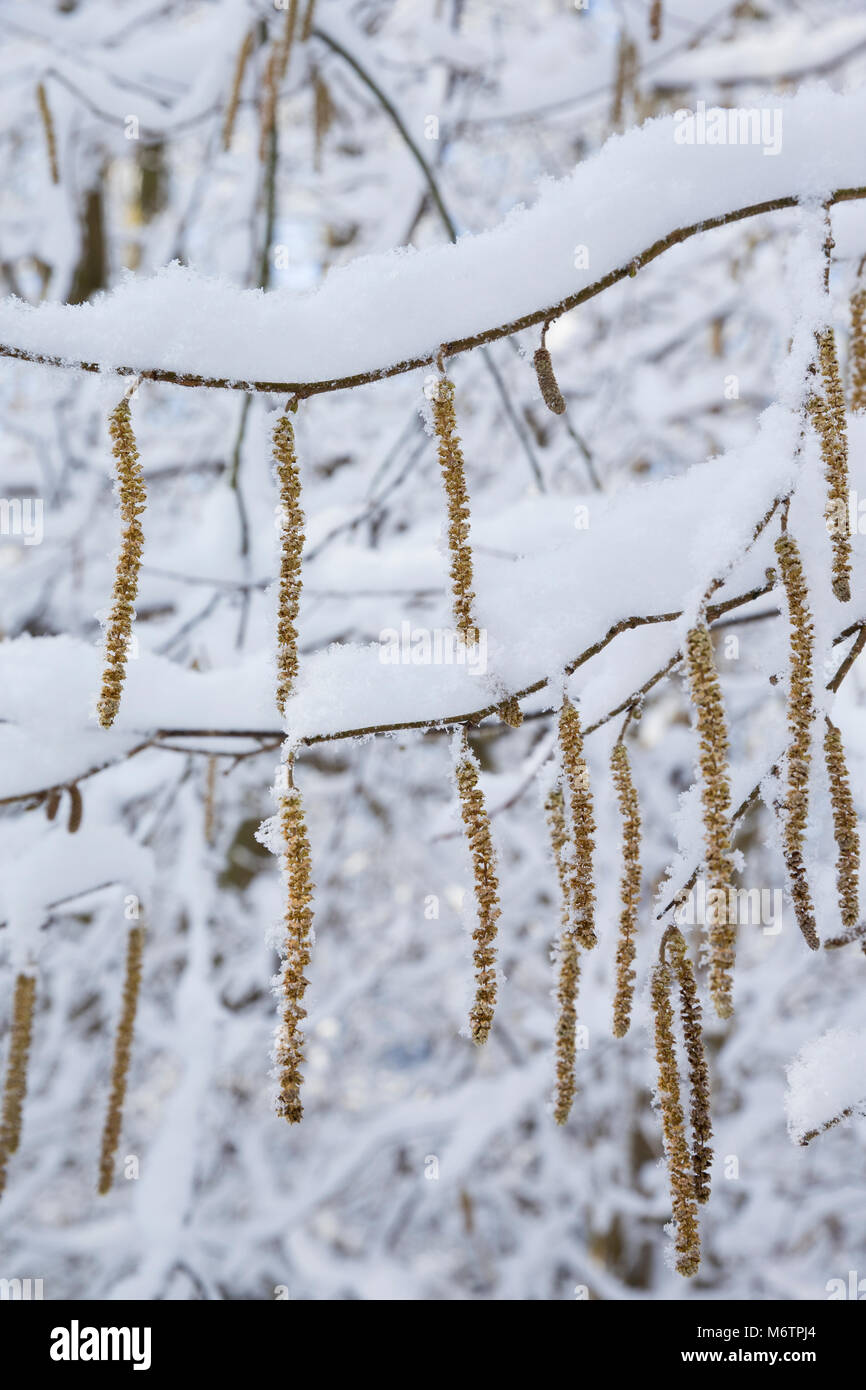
[76, 809]
[679, 1159]
[567, 960]
[292, 543]
[210, 802]
[15, 1088]
[275, 70]
[323, 117]
[857, 350]
[699, 1077]
[576, 774]
[844, 827]
[298, 921]
[629, 888]
[547, 383]
[243, 58]
[122, 1055]
[801, 713]
[827, 413]
[706, 696]
[133, 498]
[477, 826]
[624, 81]
[457, 497]
[655, 20]
[307, 26]
[48, 127]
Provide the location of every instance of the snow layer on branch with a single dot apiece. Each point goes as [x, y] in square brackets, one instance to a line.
[788, 48]
[385, 309]
[826, 1078]
[36, 875]
[652, 549]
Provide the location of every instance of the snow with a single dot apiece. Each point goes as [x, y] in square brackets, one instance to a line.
[788, 49]
[586, 580]
[229, 1204]
[400, 306]
[826, 1078]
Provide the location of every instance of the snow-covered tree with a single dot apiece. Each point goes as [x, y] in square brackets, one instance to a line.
[429, 681]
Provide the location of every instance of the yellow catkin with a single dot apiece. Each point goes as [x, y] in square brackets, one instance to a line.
[655, 20]
[827, 412]
[576, 775]
[801, 713]
[679, 1158]
[122, 1055]
[857, 350]
[275, 70]
[844, 827]
[476, 824]
[629, 888]
[210, 802]
[133, 499]
[292, 541]
[567, 960]
[547, 383]
[457, 497]
[298, 920]
[706, 696]
[307, 26]
[48, 127]
[323, 116]
[243, 58]
[699, 1077]
[624, 80]
[15, 1089]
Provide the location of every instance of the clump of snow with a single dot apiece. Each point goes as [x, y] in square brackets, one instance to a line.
[826, 1079]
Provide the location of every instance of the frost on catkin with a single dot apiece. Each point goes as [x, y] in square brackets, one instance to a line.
[706, 696]
[676, 1148]
[801, 713]
[510, 712]
[298, 921]
[576, 775]
[629, 888]
[292, 543]
[566, 957]
[827, 413]
[133, 499]
[122, 1056]
[844, 827]
[457, 498]
[15, 1088]
[547, 383]
[858, 350]
[477, 826]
